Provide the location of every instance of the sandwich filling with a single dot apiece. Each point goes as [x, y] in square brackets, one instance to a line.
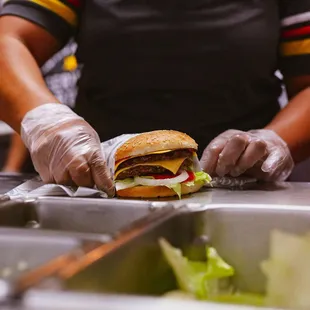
[169, 168]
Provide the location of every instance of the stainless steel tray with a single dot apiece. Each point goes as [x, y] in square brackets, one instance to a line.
[240, 233]
[8, 181]
[82, 215]
[22, 252]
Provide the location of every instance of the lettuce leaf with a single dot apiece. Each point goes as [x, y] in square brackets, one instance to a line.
[287, 271]
[200, 279]
[177, 188]
[200, 177]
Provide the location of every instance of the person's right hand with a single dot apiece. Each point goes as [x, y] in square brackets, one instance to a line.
[64, 148]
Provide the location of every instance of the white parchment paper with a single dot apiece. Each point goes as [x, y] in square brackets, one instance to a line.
[36, 188]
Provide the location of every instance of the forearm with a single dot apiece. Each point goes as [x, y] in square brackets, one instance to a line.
[292, 124]
[22, 87]
[17, 155]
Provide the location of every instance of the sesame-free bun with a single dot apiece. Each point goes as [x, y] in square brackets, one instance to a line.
[154, 141]
[156, 191]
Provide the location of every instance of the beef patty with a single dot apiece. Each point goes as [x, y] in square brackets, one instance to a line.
[155, 157]
[149, 170]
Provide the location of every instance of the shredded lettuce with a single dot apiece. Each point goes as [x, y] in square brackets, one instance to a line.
[203, 279]
[287, 273]
[199, 279]
[200, 177]
[177, 188]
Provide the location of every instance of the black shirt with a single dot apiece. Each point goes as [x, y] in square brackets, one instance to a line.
[199, 66]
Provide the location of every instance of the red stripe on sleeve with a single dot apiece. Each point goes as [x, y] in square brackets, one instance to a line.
[296, 32]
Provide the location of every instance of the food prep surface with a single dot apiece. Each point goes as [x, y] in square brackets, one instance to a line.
[10, 180]
[278, 194]
[73, 253]
[273, 193]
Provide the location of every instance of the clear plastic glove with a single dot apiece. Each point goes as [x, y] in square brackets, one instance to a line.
[64, 148]
[261, 154]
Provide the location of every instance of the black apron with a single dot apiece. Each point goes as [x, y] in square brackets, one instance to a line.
[199, 66]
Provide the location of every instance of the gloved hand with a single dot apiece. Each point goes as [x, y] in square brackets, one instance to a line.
[257, 153]
[64, 148]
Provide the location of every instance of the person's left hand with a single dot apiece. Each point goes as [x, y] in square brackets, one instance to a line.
[261, 154]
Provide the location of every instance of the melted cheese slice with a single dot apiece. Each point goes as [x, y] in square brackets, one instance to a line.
[172, 165]
[122, 160]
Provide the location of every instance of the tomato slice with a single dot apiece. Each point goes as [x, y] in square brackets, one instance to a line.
[163, 176]
[191, 176]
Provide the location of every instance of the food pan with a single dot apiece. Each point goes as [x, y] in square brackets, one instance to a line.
[9, 180]
[240, 233]
[22, 252]
[82, 215]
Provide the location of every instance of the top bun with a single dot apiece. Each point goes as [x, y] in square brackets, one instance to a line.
[154, 141]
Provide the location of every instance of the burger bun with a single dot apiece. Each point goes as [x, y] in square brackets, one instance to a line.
[155, 141]
[156, 191]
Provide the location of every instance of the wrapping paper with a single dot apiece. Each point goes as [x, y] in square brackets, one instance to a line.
[36, 188]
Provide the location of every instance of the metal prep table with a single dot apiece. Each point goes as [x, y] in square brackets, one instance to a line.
[268, 204]
[10, 180]
[281, 193]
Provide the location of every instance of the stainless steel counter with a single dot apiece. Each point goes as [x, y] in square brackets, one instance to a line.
[9, 181]
[279, 194]
[293, 194]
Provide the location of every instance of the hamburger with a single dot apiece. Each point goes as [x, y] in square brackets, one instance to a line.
[159, 163]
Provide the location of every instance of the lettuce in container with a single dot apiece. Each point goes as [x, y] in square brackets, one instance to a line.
[287, 272]
[202, 279]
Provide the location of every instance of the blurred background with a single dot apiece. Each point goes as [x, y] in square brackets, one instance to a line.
[61, 74]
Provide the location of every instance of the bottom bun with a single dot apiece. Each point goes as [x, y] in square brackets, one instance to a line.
[156, 191]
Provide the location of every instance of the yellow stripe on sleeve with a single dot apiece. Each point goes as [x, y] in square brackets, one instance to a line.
[60, 9]
[295, 48]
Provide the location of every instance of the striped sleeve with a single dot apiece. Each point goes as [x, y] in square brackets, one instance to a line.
[295, 37]
[59, 17]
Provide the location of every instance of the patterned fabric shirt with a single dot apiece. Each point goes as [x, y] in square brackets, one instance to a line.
[62, 73]
[61, 18]
[217, 58]
[60, 78]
